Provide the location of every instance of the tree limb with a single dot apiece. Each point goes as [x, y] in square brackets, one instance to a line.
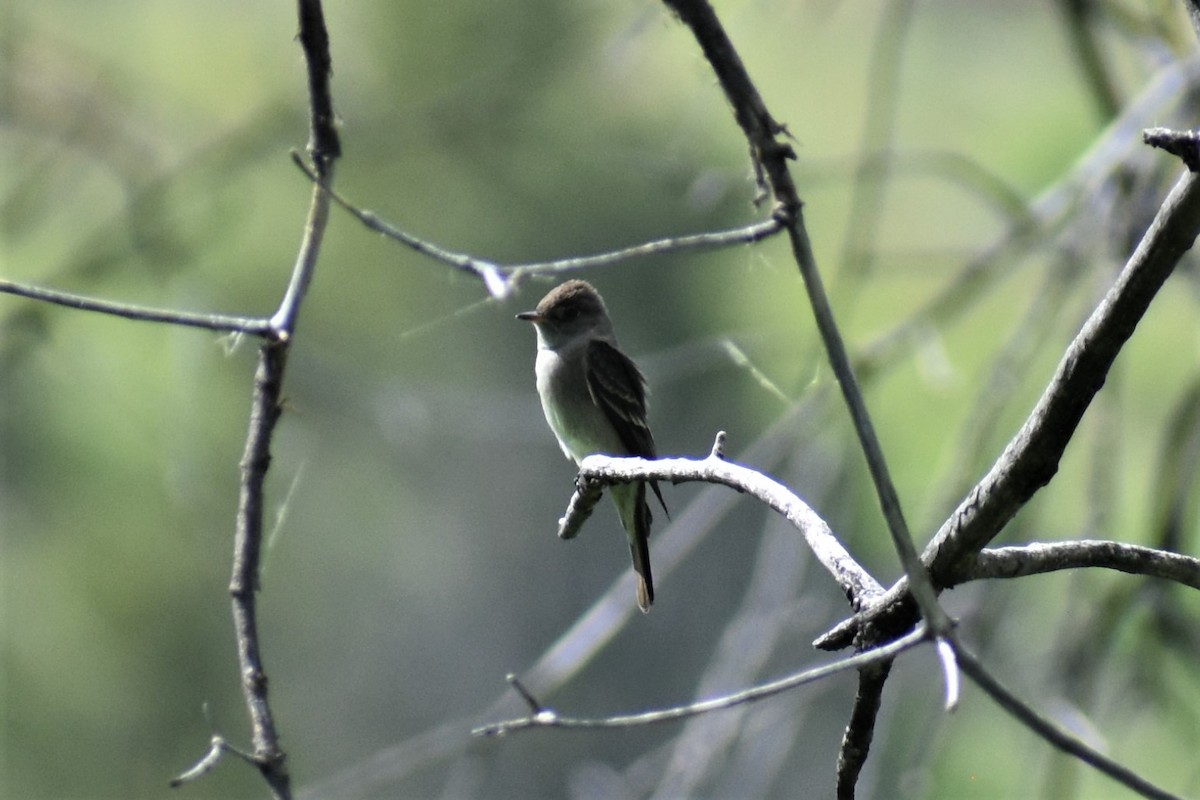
[598, 471]
[542, 717]
[1038, 558]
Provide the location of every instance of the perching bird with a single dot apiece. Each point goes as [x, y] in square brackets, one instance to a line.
[594, 398]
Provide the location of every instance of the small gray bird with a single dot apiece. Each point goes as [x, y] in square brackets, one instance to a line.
[594, 399]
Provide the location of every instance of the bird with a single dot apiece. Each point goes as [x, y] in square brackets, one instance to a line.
[594, 399]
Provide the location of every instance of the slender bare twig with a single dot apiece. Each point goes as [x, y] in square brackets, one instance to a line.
[243, 585]
[496, 283]
[502, 280]
[253, 326]
[1053, 733]
[266, 408]
[1038, 558]
[547, 718]
[748, 234]
[770, 157]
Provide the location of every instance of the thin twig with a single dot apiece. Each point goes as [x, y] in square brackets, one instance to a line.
[497, 284]
[253, 326]
[266, 408]
[546, 718]
[535, 707]
[243, 585]
[771, 156]
[748, 234]
[502, 280]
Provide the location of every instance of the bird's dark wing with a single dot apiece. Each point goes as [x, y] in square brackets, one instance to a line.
[618, 388]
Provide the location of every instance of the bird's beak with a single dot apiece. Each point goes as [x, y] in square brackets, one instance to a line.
[530, 316]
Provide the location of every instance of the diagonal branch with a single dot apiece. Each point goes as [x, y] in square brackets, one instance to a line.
[225, 323]
[542, 717]
[266, 408]
[1032, 456]
[770, 157]
[502, 280]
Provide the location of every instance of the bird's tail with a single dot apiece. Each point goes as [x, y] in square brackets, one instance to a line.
[635, 516]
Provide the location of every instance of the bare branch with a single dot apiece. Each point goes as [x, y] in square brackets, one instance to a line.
[501, 281]
[1031, 457]
[535, 707]
[267, 405]
[598, 471]
[253, 326]
[770, 157]
[697, 242]
[1038, 558]
[1054, 734]
[497, 284]
[247, 549]
[546, 718]
[324, 145]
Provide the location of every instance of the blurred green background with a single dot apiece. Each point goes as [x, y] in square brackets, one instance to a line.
[415, 487]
